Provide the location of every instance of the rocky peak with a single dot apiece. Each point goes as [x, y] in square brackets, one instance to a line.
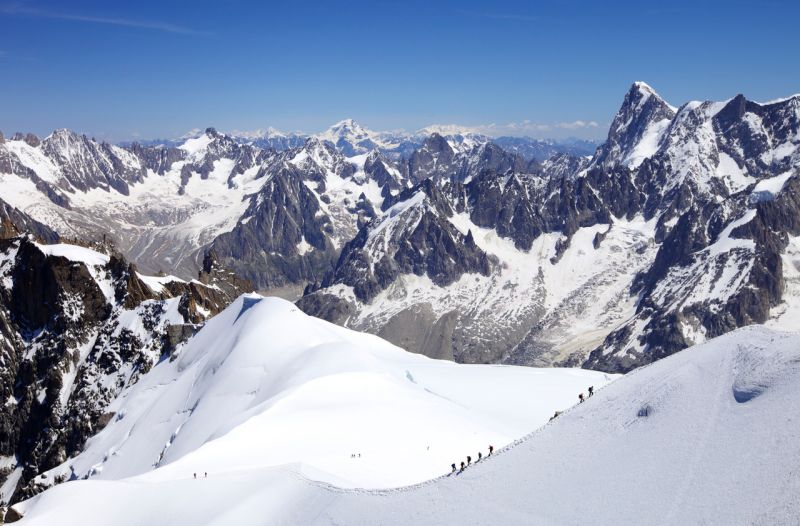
[85, 164]
[32, 140]
[642, 118]
[435, 158]
[382, 171]
[14, 222]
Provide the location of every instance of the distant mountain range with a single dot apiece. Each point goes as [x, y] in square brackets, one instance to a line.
[681, 226]
[350, 138]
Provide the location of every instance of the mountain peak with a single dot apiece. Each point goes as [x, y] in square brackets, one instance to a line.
[346, 127]
[643, 87]
[637, 127]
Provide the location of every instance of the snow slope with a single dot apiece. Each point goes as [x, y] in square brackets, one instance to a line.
[263, 384]
[708, 435]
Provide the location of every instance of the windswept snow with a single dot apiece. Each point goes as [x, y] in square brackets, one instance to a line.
[84, 255]
[707, 436]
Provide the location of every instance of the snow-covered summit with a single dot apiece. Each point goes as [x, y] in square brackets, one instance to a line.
[351, 138]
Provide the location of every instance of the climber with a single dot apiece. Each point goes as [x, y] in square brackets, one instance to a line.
[491, 449]
[453, 465]
[591, 390]
[469, 460]
[581, 398]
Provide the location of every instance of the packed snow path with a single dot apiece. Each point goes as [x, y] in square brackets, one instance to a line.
[709, 435]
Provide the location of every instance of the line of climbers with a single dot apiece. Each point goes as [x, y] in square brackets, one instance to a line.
[469, 461]
[454, 468]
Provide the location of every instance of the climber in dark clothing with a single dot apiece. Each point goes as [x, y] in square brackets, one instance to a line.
[581, 397]
[491, 449]
[469, 460]
[591, 390]
[480, 455]
[463, 466]
[453, 465]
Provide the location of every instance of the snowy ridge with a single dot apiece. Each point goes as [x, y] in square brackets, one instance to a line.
[217, 405]
[705, 410]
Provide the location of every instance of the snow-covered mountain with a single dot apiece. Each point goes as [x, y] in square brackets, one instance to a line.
[682, 227]
[264, 385]
[164, 206]
[78, 325]
[706, 436]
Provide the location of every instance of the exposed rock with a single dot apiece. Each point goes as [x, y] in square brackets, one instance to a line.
[14, 223]
[73, 334]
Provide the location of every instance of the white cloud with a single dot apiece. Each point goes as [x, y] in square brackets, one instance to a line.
[577, 125]
[528, 127]
[19, 10]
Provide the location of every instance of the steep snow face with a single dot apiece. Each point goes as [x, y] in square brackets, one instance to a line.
[262, 384]
[671, 443]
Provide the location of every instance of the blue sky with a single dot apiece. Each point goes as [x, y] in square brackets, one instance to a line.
[121, 70]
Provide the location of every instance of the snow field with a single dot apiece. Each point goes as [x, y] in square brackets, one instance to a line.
[708, 435]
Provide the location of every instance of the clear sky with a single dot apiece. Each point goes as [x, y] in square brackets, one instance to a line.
[556, 68]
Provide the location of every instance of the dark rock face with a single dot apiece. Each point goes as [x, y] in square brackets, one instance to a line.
[419, 241]
[14, 223]
[683, 258]
[267, 245]
[641, 108]
[326, 306]
[383, 171]
[433, 160]
[86, 164]
[73, 335]
[157, 158]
